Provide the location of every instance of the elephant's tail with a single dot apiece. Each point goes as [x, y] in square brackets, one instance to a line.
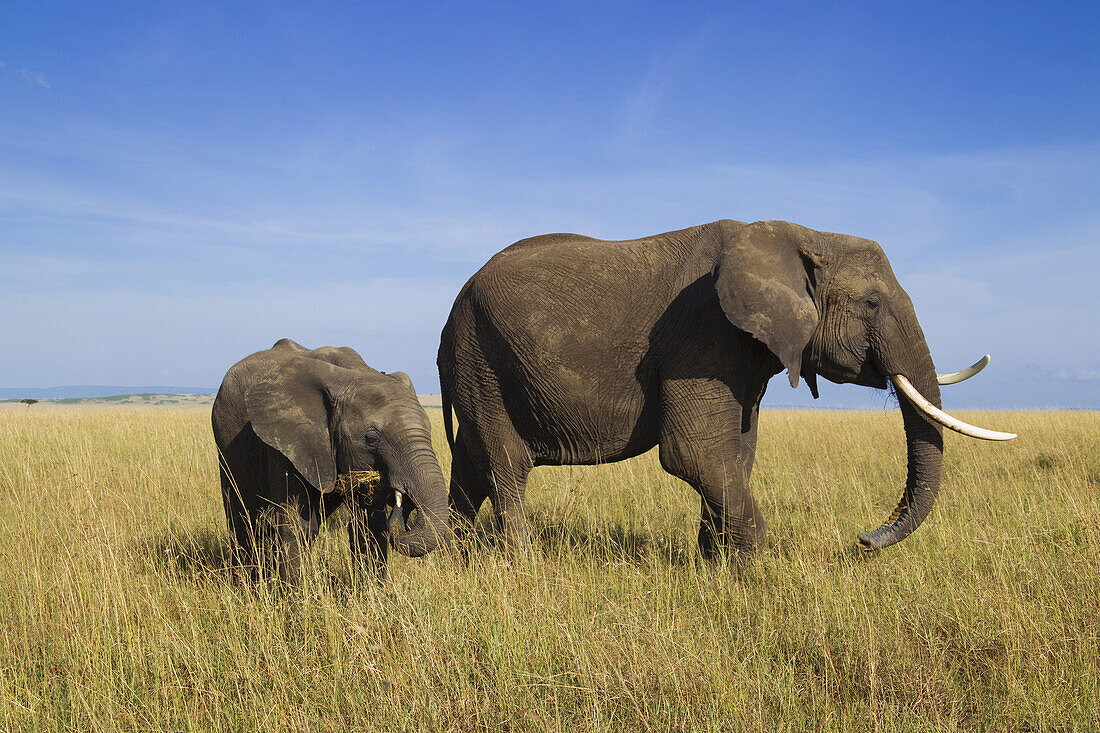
[448, 423]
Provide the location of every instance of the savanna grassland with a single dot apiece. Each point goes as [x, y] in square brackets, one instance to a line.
[117, 611]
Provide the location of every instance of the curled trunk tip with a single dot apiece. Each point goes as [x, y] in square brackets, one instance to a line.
[427, 494]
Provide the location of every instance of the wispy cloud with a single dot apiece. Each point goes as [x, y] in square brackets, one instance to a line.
[993, 245]
[28, 75]
[33, 77]
[925, 210]
[1078, 375]
[666, 69]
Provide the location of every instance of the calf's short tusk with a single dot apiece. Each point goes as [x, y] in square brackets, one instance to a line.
[395, 525]
[964, 374]
[935, 413]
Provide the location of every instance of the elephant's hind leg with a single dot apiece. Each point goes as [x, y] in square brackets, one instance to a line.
[241, 525]
[509, 478]
[468, 491]
[503, 461]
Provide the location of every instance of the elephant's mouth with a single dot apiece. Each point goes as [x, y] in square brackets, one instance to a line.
[871, 376]
[866, 375]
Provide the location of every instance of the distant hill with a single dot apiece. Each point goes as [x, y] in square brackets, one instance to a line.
[181, 400]
[96, 390]
[154, 398]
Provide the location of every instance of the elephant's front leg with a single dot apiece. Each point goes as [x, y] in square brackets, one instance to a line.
[296, 525]
[730, 521]
[243, 527]
[705, 447]
[367, 533]
[507, 463]
[714, 511]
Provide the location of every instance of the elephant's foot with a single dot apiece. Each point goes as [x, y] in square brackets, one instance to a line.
[517, 537]
[739, 542]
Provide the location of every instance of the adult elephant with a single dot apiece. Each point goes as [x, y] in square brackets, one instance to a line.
[565, 349]
[293, 426]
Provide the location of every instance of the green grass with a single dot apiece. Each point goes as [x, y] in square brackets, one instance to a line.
[117, 612]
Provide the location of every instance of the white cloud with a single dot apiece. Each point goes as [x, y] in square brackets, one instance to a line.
[664, 71]
[28, 75]
[993, 246]
[33, 77]
[1078, 375]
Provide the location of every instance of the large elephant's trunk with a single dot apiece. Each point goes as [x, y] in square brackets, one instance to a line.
[918, 389]
[924, 448]
[424, 490]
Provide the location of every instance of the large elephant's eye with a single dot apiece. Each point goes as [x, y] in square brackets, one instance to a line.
[873, 303]
[372, 436]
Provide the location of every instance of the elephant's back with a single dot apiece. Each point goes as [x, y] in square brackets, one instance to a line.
[557, 282]
[603, 263]
[341, 356]
[578, 300]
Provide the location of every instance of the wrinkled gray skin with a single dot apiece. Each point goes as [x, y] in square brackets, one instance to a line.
[565, 349]
[287, 421]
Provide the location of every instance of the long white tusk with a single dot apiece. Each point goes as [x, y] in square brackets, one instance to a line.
[964, 374]
[397, 499]
[942, 417]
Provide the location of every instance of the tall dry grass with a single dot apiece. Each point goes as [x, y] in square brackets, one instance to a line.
[117, 612]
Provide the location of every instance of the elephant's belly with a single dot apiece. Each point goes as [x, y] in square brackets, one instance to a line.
[586, 427]
[576, 382]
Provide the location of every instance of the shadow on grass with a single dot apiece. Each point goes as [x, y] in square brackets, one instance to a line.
[611, 543]
[560, 537]
[203, 556]
[854, 554]
[197, 554]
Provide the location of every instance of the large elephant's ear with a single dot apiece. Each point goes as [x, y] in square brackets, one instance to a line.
[290, 410]
[764, 287]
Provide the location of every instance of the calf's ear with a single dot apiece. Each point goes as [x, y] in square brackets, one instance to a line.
[764, 280]
[291, 411]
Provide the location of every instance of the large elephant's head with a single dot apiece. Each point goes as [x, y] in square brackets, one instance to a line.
[829, 304]
[330, 420]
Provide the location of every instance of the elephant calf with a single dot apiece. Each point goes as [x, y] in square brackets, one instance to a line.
[292, 427]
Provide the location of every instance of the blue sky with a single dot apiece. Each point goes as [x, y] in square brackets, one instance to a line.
[183, 184]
